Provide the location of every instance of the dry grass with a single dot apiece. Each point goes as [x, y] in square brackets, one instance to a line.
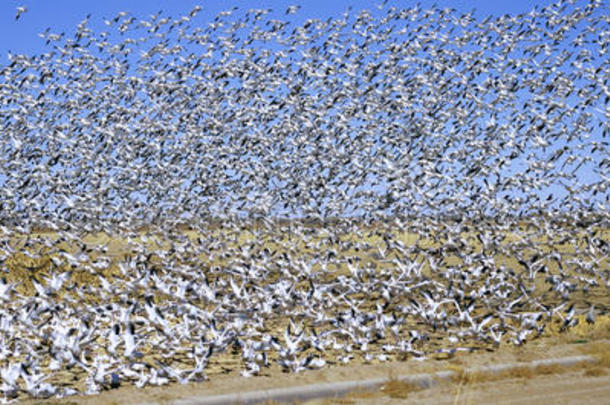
[395, 388]
[600, 350]
[465, 377]
[548, 369]
[464, 381]
[272, 402]
[523, 373]
[595, 372]
[339, 401]
[362, 394]
[583, 332]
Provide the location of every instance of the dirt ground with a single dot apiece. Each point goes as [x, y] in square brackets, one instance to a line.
[586, 383]
[568, 388]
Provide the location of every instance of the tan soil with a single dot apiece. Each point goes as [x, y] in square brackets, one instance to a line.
[568, 388]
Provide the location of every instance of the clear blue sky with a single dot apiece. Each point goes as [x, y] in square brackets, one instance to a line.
[21, 36]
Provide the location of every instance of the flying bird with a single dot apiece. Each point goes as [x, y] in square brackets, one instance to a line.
[20, 10]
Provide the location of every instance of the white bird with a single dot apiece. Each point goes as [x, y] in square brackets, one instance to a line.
[268, 187]
[129, 338]
[20, 10]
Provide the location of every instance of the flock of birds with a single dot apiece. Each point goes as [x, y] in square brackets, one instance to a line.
[181, 198]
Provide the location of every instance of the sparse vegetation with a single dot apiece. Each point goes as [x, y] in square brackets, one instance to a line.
[396, 388]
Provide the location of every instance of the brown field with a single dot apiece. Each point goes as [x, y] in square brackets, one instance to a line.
[226, 247]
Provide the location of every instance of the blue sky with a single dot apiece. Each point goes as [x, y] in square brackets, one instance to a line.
[21, 36]
[63, 16]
